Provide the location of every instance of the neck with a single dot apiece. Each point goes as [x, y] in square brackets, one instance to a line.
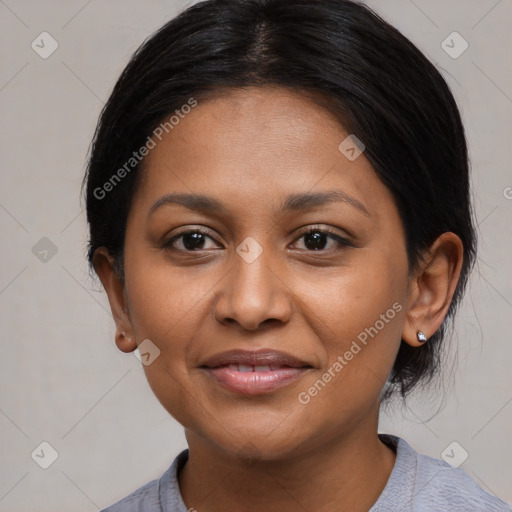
[347, 473]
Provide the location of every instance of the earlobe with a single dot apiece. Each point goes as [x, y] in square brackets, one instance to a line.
[113, 284]
[124, 342]
[432, 289]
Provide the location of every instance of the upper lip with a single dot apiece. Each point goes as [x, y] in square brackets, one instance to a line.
[262, 357]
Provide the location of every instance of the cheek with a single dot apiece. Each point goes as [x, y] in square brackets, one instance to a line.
[164, 301]
[369, 295]
[360, 314]
[165, 307]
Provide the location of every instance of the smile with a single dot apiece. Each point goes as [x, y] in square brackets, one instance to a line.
[254, 380]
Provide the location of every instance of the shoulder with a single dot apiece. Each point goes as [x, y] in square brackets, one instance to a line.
[440, 484]
[421, 483]
[160, 495]
[145, 498]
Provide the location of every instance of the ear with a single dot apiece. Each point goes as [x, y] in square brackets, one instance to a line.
[113, 283]
[432, 288]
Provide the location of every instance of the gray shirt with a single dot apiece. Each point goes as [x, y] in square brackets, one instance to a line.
[418, 483]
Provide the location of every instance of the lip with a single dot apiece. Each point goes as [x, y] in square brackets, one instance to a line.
[259, 357]
[271, 370]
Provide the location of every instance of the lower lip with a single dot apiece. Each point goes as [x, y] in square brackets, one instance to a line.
[255, 383]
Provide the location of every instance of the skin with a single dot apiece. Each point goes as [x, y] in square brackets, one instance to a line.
[249, 149]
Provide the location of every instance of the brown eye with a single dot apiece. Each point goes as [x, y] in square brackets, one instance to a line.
[192, 240]
[317, 239]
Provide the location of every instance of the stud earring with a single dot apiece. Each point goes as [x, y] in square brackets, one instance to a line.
[421, 336]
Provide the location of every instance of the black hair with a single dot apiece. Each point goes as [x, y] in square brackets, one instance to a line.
[384, 90]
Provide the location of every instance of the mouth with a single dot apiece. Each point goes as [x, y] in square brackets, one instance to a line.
[254, 372]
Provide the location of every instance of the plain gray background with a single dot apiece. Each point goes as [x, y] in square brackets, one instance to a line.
[62, 378]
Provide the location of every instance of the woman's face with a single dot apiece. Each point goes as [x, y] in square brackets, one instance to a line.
[262, 276]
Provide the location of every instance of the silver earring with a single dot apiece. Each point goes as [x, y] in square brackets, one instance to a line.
[421, 336]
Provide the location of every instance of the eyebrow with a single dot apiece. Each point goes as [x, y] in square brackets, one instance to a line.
[294, 202]
[297, 202]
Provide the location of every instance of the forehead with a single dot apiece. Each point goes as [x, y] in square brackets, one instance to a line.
[256, 145]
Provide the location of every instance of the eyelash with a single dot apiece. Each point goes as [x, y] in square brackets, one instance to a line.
[342, 242]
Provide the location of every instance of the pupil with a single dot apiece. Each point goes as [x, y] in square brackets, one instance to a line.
[313, 239]
[193, 241]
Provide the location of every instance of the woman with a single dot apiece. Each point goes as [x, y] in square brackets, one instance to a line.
[278, 201]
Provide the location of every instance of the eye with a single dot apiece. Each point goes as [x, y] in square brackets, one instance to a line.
[189, 241]
[316, 239]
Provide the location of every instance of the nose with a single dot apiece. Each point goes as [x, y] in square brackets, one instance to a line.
[254, 293]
